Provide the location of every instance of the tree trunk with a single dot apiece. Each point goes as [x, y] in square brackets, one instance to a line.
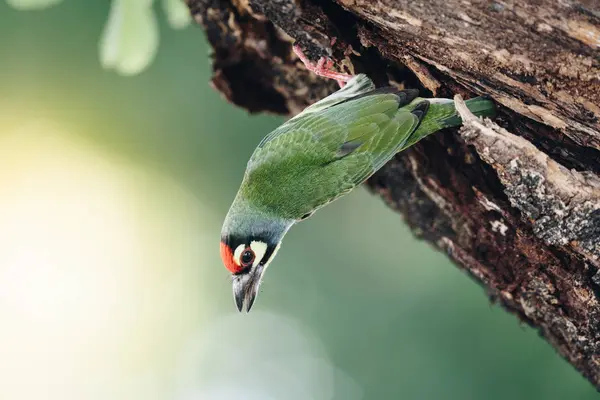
[514, 202]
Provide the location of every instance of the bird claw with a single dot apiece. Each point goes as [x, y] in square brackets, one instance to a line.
[323, 67]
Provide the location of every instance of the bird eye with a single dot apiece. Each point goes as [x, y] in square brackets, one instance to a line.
[247, 257]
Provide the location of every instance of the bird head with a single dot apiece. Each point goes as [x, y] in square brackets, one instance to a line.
[248, 245]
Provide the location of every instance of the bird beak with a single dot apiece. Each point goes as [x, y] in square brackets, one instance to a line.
[245, 287]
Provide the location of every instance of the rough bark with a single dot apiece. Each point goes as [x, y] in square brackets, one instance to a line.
[514, 202]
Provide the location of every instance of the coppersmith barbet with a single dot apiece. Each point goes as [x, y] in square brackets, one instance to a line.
[318, 156]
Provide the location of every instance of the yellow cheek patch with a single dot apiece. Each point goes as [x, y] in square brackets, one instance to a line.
[237, 253]
[259, 249]
[273, 255]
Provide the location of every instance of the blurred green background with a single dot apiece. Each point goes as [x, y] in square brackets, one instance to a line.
[113, 190]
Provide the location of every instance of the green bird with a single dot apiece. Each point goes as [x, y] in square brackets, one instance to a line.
[315, 158]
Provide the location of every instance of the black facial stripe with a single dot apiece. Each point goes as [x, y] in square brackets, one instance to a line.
[270, 249]
[234, 240]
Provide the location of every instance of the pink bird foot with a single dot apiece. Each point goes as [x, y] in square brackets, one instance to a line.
[322, 68]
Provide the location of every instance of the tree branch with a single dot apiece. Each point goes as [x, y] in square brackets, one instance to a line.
[514, 202]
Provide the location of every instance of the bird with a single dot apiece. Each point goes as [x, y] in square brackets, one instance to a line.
[318, 156]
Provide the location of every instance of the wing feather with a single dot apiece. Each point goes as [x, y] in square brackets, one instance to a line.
[359, 85]
[322, 154]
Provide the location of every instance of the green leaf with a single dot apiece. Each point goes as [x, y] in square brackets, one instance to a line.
[178, 14]
[25, 5]
[130, 39]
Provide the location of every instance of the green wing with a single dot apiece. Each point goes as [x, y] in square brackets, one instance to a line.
[328, 149]
[358, 85]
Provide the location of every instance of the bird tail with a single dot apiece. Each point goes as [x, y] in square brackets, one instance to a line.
[481, 106]
[442, 114]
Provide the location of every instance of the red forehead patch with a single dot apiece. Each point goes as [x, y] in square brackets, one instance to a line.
[227, 256]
